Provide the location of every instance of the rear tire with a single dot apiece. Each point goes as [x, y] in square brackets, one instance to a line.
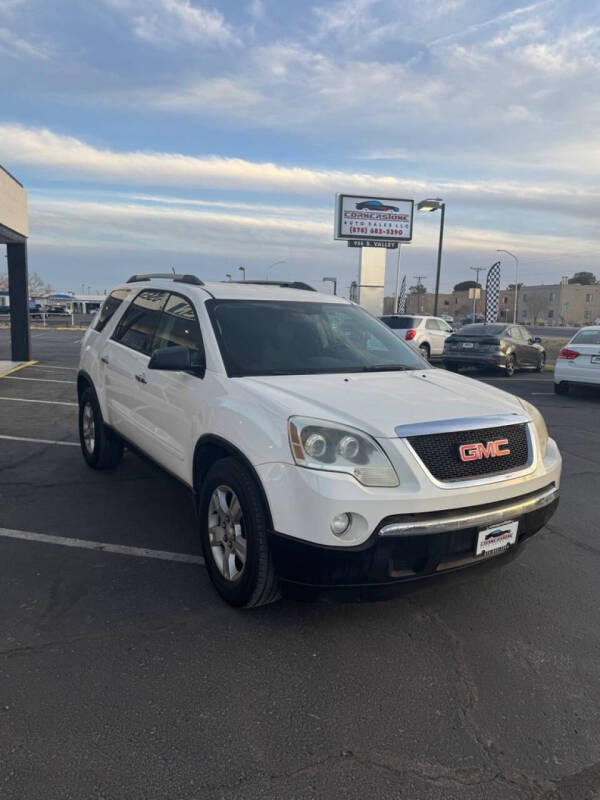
[561, 388]
[101, 448]
[541, 363]
[510, 366]
[234, 533]
[425, 351]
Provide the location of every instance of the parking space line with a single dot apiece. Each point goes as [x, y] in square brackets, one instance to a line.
[36, 364]
[104, 547]
[17, 368]
[42, 380]
[37, 441]
[47, 402]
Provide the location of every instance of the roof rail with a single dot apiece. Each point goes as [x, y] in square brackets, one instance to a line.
[283, 284]
[167, 276]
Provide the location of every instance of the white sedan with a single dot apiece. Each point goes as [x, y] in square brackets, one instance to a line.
[579, 361]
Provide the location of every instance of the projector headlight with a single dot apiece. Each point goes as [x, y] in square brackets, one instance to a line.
[539, 424]
[317, 444]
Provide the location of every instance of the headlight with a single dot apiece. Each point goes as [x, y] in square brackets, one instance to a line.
[326, 446]
[539, 424]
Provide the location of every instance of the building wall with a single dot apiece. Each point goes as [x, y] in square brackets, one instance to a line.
[13, 204]
[549, 304]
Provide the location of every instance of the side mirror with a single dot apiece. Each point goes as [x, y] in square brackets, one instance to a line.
[171, 358]
[537, 340]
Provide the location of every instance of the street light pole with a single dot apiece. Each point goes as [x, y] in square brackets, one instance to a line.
[436, 204]
[476, 270]
[243, 271]
[274, 264]
[512, 255]
[228, 275]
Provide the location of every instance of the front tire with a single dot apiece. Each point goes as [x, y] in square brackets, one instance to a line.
[101, 448]
[541, 363]
[510, 366]
[234, 532]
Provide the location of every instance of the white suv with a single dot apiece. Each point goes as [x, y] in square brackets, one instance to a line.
[427, 334]
[320, 447]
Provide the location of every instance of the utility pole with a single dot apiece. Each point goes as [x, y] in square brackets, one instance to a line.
[418, 279]
[476, 270]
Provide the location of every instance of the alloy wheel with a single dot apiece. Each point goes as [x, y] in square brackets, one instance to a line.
[226, 531]
[89, 428]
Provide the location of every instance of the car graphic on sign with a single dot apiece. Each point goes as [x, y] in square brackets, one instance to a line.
[375, 205]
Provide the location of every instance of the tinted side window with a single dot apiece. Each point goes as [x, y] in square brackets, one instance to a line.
[432, 325]
[179, 326]
[111, 304]
[138, 324]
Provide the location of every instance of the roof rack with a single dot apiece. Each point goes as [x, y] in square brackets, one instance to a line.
[283, 284]
[167, 276]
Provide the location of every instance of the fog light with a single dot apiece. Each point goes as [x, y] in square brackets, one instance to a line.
[340, 524]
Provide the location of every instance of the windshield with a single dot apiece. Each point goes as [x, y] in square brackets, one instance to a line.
[587, 337]
[265, 337]
[400, 323]
[479, 329]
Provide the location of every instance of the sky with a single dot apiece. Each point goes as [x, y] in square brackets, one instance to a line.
[202, 136]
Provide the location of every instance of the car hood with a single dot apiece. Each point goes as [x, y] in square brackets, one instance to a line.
[379, 402]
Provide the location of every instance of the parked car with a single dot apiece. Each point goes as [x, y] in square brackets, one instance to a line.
[473, 319]
[579, 361]
[426, 334]
[447, 318]
[375, 205]
[319, 446]
[57, 310]
[509, 347]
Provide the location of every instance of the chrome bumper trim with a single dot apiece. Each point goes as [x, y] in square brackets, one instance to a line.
[463, 424]
[418, 524]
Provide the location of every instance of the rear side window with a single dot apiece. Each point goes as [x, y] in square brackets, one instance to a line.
[111, 305]
[138, 324]
[179, 326]
[432, 325]
[587, 337]
[400, 323]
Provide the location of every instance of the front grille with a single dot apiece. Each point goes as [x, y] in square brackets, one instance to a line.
[440, 452]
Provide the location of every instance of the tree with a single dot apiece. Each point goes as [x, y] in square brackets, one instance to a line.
[511, 287]
[583, 278]
[37, 286]
[536, 304]
[418, 289]
[464, 286]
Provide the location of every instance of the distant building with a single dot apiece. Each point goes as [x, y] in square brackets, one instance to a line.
[561, 304]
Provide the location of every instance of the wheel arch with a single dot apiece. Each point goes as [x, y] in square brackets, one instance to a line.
[211, 448]
[84, 382]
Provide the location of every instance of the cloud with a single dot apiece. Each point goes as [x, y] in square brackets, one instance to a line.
[167, 23]
[55, 154]
[16, 47]
[140, 229]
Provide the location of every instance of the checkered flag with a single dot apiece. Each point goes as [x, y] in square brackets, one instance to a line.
[402, 298]
[492, 293]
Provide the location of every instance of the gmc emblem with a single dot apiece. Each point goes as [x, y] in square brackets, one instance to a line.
[475, 452]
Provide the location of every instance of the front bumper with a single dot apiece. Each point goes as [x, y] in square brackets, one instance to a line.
[409, 547]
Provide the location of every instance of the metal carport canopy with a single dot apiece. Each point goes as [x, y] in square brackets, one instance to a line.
[14, 230]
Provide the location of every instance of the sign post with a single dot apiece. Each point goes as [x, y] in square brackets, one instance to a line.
[374, 224]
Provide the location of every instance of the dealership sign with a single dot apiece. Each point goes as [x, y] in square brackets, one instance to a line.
[373, 219]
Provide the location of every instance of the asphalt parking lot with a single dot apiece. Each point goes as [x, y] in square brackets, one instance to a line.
[123, 675]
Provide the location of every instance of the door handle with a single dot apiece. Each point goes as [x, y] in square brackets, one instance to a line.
[141, 379]
[104, 359]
